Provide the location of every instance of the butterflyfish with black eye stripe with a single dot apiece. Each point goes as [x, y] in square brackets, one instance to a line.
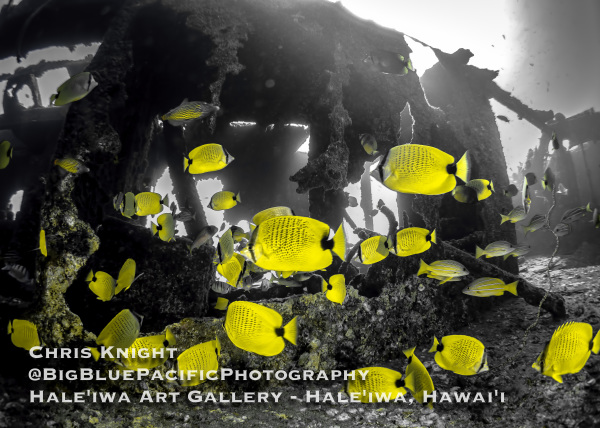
[232, 269]
[463, 355]
[335, 288]
[417, 379]
[374, 249]
[379, 382]
[150, 203]
[102, 285]
[224, 200]
[207, 158]
[425, 170]
[224, 248]
[413, 240]
[294, 244]
[165, 227]
[258, 329]
[568, 350]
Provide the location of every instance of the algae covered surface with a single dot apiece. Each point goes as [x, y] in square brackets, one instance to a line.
[530, 400]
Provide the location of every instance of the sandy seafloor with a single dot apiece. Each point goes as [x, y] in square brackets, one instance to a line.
[531, 400]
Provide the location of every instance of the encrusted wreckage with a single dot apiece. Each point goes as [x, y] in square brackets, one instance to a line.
[304, 67]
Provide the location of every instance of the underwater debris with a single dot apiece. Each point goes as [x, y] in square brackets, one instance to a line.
[328, 171]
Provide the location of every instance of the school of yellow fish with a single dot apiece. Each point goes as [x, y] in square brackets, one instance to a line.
[296, 247]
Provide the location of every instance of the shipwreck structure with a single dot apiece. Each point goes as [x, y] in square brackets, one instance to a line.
[305, 67]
